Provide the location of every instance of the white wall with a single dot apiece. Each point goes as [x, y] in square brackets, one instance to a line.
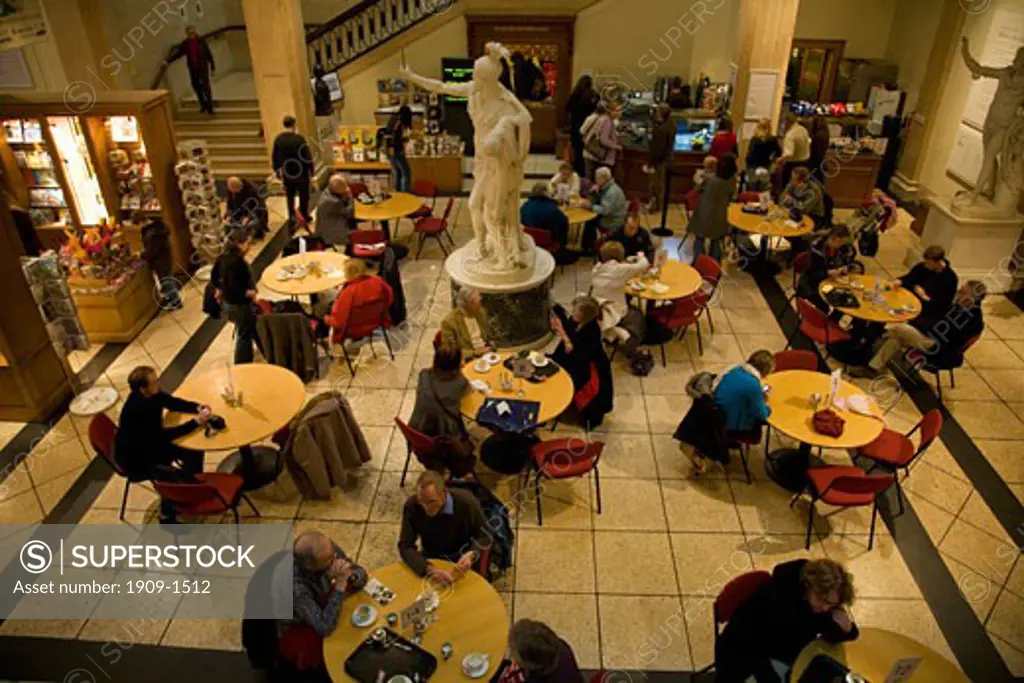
[910, 43]
[865, 25]
[715, 42]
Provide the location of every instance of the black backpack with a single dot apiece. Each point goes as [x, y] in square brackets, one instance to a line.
[867, 243]
[641, 363]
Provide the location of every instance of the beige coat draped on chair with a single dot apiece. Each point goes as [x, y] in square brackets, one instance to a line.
[325, 446]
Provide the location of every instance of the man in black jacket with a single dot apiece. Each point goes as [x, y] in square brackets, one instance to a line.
[831, 256]
[805, 600]
[943, 341]
[663, 140]
[144, 448]
[293, 164]
[245, 207]
[934, 283]
[199, 60]
[235, 289]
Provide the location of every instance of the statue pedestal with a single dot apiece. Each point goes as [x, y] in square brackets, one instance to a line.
[517, 310]
[984, 249]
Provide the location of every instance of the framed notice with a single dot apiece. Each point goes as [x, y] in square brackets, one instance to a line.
[761, 94]
[966, 157]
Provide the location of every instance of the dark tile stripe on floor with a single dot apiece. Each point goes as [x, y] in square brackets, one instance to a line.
[961, 627]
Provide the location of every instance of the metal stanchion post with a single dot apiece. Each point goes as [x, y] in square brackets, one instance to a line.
[663, 230]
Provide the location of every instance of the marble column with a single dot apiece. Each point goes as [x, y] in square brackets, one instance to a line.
[765, 40]
[277, 47]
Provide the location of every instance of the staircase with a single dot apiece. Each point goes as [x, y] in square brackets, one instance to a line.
[233, 135]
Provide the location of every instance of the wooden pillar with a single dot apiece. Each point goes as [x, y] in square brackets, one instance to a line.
[944, 53]
[277, 46]
[766, 35]
[33, 381]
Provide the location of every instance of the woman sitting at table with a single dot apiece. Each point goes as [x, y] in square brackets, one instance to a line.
[740, 395]
[804, 196]
[537, 655]
[608, 285]
[581, 353]
[360, 289]
[465, 327]
[439, 391]
[805, 600]
[831, 256]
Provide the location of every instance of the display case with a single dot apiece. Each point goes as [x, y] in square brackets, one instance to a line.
[112, 163]
[437, 158]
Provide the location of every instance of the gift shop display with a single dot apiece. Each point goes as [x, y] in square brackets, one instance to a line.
[199, 195]
[48, 282]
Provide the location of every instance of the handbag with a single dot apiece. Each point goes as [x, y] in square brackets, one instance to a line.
[592, 141]
[827, 422]
[456, 453]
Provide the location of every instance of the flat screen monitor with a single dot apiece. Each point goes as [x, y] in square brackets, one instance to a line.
[456, 70]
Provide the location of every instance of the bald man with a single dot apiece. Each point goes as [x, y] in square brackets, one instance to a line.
[245, 207]
[335, 212]
[323, 577]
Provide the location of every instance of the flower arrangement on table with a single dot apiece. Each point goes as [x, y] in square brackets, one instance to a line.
[99, 253]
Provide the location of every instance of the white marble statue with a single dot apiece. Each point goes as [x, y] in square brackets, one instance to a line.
[1002, 176]
[501, 135]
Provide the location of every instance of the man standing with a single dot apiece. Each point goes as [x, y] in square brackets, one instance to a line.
[236, 289]
[199, 59]
[450, 525]
[293, 164]
[245, 207]
[335, 212]
[796, 147]
[658, 153]
[144, 448]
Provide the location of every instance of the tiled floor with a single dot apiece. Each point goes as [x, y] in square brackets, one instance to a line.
[632, 587]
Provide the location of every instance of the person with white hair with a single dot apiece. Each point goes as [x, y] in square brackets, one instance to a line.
[608, 201]
[465, 327]
[322, 577]
[335, 212]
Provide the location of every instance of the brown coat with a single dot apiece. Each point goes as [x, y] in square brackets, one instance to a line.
[325, 446]
[287, 341]
[454, 331]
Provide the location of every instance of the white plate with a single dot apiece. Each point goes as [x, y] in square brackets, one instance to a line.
[540, 361]
[480, 672]
[492, 358]
[659, 287]
[481, 386]
[482, 366]
[371, 616]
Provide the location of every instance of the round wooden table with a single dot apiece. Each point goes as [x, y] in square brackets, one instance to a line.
[577, 217]
[875, 652]
[399, 204]
[554, 394]
[271, 397]
[775, 224]
[863, 287]
[331, 274]
[471, 616]
[682, 280]
[792, 413]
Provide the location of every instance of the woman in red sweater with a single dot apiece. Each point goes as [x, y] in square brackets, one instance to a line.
[361, 290]
[724, 141]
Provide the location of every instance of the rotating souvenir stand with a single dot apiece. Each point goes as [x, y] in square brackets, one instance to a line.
[199, 196]
[114, 160]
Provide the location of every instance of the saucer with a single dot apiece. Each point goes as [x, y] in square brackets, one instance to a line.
[475, 673]
[492, 358]
[370, 615]
[540, 361]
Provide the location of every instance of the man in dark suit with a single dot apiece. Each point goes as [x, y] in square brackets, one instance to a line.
[293, 164]
[245, 206]
[199, 59]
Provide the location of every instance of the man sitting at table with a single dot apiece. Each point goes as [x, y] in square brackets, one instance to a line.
[804, 195]
[144, 448]
[565, 184]
[634, 239]
[465, 327]
[245, 207]
[942, 342]
[805, 600]
[360, 289]
[542, 212]
[831, 256]
[335, 212]
[448, 523]
[608, 201]
[934, 283]
[322, 576]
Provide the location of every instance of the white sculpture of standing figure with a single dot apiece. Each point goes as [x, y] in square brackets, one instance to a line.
[501, 135]
[1000, 176]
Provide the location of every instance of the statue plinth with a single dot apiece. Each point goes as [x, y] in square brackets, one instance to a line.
[979, 248]
[517, 303]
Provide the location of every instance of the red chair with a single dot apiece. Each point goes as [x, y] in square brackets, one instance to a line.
[357, 189]
[102, 434]
[895, 451]
[428, 190]
[796, 359]
[544, 240]
[801, 262]
[936, 365]
[711, 273]
[564, 459]
[690, 202]
[733, 594]
[845, 487]
[816, 326]
[678, 316]
[362, 239]
[425, 447]
[745, 440]
[213, 494]
[748, 197]
[431, 226]
[364, 319]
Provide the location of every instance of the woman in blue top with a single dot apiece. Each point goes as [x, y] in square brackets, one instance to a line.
[740, 396]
